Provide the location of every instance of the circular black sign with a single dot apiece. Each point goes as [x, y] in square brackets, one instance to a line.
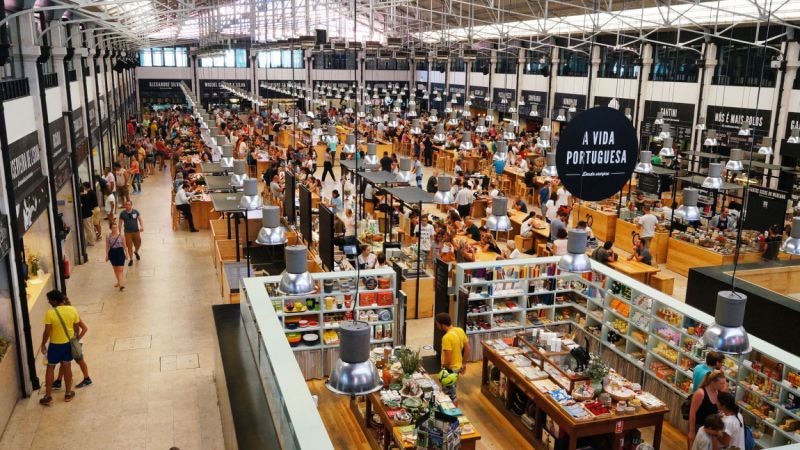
[597, 153]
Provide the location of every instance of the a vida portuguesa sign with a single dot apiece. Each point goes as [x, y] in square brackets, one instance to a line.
[597, 153]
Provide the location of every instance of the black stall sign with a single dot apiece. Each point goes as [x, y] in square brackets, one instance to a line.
[478, 92]
[530, 98]
[93, 122]
[437, 87]
[420, 89]
[616, 103]
[62, 173]
[460, 90]
[58, 138]
[771, 206]
[649, 183]
[792, 122]
[567, 101]
[5, 237]
[500, 94]
[723, 118]
[597, 153]
[210, 87]
[31, 205]
[163, 85]
[673, 112]
[25, 162]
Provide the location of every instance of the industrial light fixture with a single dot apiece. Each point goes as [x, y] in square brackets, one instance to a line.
[644, 165]
[296, 280]
[701, 124]
[575, 260]
[508, 134]
[371, 158]
[499, 220]
[453, 120]
[734, 163]
[745, 129]
[468, 102]
[412, 110]
[666, 149]
[500, 157]
[480, 128]
[404, 174]
[250, 200]
[766, 146]
[349, 144]
[317, 130]
[433, 117]
[354, 373]
[572, 109]
[714, 178]
[331, 137]
[560, 116]
[711, 139]
[543, 141]
[439, 137]
[392, 120]
[659, 118]
[549, 169]
[688, 210]
[514, 121]
[415, 128]
[397, 106]
[792, 244]
[794, 138]
[466, 141]
[271, 232]
[534, 110]
[443, 195]
[239, 173]
[465, 113]
[545, 125]
[665, 133]
[438, 97]
[489, 116]
[726, 334]
[226, 162]
[512, 109]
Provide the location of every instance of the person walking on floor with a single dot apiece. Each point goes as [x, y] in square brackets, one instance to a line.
[88, 204]
[132, 226]
[327, 166]
[455, 349]
[59, 327]
[182, 203]
[116, 253]
[80, 331]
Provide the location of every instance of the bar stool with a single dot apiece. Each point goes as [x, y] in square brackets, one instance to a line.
[505, 184]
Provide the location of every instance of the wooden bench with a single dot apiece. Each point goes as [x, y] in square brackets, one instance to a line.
[663, 282]
[523, 243]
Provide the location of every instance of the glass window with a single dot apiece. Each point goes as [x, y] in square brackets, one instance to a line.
[158, 57]
[742, 65]
[457, 65]
[506, 64]
[536, 63]
[422, 64]
[262, 58]
[145, 58]
[286, 59]
[241, 58]
[274, 58]
[298, 62]
[573, 63]
[617, 64]
[169, 56]
[219, 61]
[182, 57]
[481, 65]
[674, 64]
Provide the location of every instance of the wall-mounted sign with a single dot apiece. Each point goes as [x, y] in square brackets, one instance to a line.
[78, 128]
[58, 139]
[616, 103]
[213, 88]
[500, 94]
[459, 89]
[722, 118]
[31, 205]
[531, 98]
[146, 85]
[419, 88]
[479, 92]
[771, 207]
[673, 112]
[792, 122]
[93, 122]
[597, 153]
[5, 237]
[566, 101]
[25, 162]
[438, 87]
[61, 173]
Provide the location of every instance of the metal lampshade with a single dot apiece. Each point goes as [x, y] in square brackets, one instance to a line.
[726, 334]
[481, 127]
[544, 140]
[560, 116]
[453, 120]
[296, 280]
[766, 146]
[666, 149]
[745, 129]
[489, 116]
[688, 210]
[415, 128]
[392, 120]
[439, 137]
[701, 124]
[534, 110]
[508, 134]
[714, 178]
[628, 114]
[226, 162]
[734, 164]
[499, 220]
[239, 172]
[404, 175]
[354, 373]
[317, 130]
[575, 260]
[250, 200]
[644, 165]
[412, 109]
[466, 141]
[545, 124]
[349, 144]
[371, 158]
[220, 139]
[659, 118]
[794, 137]
[711, 139]
[665, 133]
[443, 195]
[549, 169]
[792, 245]
[433, 117]
[271, 232]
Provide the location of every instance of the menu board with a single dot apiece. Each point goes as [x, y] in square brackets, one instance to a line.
[723, 118]
[680, 116]
[649, 183]
[770, 206]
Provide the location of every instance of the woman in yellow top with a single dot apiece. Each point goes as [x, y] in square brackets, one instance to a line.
[455, 349]
[59, 350]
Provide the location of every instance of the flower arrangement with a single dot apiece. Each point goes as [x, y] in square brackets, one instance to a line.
[597, 369]
[33, 263]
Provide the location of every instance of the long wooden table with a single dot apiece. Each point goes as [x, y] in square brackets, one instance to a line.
[637, 270]
[613, 425]
[540, 235]
[203, 213]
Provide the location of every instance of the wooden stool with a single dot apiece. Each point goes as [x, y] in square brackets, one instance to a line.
[523, 243]
[663, 282]
[542, 250]
[435, 160]
[505, 185]
[520, 189]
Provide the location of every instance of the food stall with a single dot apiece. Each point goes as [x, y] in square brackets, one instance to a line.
[700, 248]
[626, 231]
[601, 218]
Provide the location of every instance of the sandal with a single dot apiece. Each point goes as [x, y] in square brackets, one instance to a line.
[69, 396]
[46, 400]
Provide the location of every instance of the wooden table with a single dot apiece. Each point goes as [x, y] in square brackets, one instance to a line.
[547, 407]
[637, 270]
[603, 224]
[480, 255]
[467, 440]
[623, 240]
[685, 255]
[373, 405]
[540, 235]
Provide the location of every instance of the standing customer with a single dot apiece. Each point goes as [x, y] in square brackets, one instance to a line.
[704, 401]
[59, 327]
[733, 435]
[88, 204]
[713, 362]
[80, 330]
[424, 232]
[117, 253]
[647, 224]
[455, 348]
[327, 166]
[132, 227]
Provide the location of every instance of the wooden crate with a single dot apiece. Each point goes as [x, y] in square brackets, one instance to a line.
[224, 251]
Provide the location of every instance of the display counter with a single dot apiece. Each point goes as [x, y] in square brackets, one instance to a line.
[602, 222]
[623, 240]
[685, 255]
[203, 213]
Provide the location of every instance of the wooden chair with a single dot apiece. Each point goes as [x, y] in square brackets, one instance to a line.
[435, 159]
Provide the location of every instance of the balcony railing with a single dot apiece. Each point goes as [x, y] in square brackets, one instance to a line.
[14, 88]
[49, 80]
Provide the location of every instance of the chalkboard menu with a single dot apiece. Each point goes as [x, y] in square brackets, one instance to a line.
[305, 213]
[326, 237]
[288, 198]
[723, 118]
[768, 207]
[649, 183]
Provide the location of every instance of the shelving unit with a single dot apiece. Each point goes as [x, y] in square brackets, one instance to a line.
[323, 311]
[653, 332]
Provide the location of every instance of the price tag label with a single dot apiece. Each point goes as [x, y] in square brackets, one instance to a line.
[618, 427]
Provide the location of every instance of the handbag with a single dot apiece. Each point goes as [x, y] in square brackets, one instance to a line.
[74, 343]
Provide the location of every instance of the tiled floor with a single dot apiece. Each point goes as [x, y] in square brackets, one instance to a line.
[150, 349]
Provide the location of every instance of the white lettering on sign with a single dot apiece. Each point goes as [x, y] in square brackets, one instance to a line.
[669, 112]
[24, 161]
[57, 138]
[566, 101]
[577, 157]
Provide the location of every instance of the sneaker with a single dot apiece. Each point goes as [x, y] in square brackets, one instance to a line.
[56, 385]
[137, 256]
[84, 383]
[46, 401]
[130, 263]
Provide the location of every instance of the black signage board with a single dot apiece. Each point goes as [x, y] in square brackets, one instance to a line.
[723, 118]
[616, 103]
[500, 94]
[5, 237]
[25, 162]
[596, 155]
[770, 206]
[94, 123]
[442, 300]
[480, 94]
[535, 101]
[674, 113]
[437, 105]
[213, 88]
[149, 85]
[326, 237]
[78, 128]
[31, 205]
[649, 183]
[288, 198]
[459, 89]
[419, 89]
[61, 173]
[58, 139]
[305, 214]
[792, 121]
[565, 101]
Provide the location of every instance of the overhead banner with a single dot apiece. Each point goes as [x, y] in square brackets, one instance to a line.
[723, 118]
[616, 103]
[597, 153]
[31, 205]
[25, 162]
[682, 113]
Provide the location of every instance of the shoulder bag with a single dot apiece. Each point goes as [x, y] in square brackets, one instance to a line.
[74, 343]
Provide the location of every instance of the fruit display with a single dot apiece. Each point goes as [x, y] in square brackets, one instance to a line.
[621, 307]
[666, 352]
[620, 325]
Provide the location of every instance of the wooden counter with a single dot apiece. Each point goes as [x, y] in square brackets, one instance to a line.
[540, 235]
[684, 255]
[202, 213]
[546, 408]
[603, 224]
[623, 240]
[637, 270]
[426, 297]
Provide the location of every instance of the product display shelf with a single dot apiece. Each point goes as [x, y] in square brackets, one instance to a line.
[654, 332]
[325, 309]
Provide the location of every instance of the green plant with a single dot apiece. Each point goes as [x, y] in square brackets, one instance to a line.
[597, 369]
[409, 360]
[33, 264]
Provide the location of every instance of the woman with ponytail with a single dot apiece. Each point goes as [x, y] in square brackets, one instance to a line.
[704, 401]
[733, 436]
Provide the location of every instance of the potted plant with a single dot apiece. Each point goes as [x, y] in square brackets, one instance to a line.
[409, 361]
[33, 264]
[596, 371]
